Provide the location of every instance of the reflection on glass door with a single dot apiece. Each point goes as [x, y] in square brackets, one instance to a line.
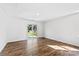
[32, 38]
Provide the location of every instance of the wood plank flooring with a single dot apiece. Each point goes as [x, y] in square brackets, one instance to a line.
[42, 47]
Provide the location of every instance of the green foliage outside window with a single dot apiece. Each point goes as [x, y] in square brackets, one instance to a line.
[32, 30]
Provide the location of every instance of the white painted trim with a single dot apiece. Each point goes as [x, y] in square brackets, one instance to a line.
[3, 46]
[61, 41]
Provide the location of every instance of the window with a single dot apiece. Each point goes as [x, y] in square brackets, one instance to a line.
[32, 30]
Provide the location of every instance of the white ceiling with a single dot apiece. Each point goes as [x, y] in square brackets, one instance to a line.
[41, 11]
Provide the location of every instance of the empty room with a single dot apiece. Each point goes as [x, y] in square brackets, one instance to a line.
[39, 29]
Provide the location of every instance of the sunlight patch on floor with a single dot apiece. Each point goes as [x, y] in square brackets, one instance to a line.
[70, 48]
[67, 48]
[56, 47]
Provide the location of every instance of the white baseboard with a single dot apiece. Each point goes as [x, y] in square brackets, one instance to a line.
[73, 41]
[3, 45]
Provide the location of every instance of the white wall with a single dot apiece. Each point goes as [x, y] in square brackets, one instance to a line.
[6, 11]
[17, 29]
[3, 22]
[65, 29]
[2, 33]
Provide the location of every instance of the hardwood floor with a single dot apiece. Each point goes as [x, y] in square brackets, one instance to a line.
[41, 47]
